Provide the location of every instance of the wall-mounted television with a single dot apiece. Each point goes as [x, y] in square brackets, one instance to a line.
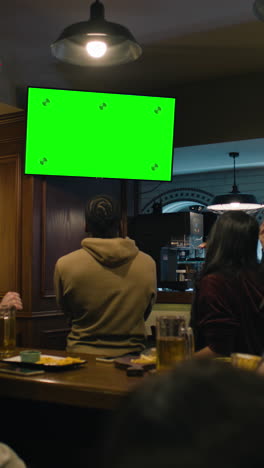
[104, 135]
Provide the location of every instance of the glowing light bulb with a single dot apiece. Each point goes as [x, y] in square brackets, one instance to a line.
[96, 48]
[234, 205]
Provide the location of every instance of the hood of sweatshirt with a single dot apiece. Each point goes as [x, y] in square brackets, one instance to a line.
[111, 252]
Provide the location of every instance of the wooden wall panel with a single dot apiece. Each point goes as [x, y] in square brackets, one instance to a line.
[41, 331]
[27, 242]
[10, 213]
[41, 219]
[12, 128]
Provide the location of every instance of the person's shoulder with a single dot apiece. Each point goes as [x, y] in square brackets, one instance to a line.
[210, 288]
[146, 257]
[213, 282]
[226, 283]
[213, 278]
[71, 256]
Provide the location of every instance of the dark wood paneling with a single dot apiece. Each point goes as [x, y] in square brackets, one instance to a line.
[27, 242]
[41, 219]
[39, 301]
[47, 330]
[175, 297]
[54, 339]
[10, 214]
[12, 128]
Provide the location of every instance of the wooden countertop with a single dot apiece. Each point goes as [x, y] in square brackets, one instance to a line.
[93, 385]
[175, 297]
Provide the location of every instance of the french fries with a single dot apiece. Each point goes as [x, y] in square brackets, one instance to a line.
[143, 359]
[50, 361]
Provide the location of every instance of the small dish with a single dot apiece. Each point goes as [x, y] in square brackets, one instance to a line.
[245, 361]
[30, 355]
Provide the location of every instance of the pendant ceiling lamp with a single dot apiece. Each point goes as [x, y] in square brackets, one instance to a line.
[234, 200]
[96, 42]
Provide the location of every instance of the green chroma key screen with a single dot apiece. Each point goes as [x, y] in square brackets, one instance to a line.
[90, 134]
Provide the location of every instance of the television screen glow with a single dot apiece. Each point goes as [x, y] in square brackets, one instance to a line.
[90, 134]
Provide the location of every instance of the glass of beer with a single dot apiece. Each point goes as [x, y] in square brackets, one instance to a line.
[7, 330]
[174, 341]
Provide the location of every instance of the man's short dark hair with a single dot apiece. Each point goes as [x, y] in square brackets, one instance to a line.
[102, 215]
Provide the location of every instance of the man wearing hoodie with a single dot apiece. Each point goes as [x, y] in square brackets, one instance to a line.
[106, 288]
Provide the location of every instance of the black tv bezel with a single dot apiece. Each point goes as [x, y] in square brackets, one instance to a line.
[94, 177]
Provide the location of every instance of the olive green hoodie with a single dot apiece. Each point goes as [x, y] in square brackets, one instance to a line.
[105, 289]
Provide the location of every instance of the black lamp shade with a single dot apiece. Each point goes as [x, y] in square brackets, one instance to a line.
[234, 198]
[70, 47]
[234, 201]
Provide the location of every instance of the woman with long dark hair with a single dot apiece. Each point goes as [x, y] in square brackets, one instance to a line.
[226, 315]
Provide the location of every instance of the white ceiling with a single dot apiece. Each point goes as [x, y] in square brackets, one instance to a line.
[183, 41]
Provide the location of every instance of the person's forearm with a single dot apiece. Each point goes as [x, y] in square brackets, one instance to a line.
[206, 353]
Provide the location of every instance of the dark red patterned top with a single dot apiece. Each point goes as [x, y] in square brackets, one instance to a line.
[226, 315]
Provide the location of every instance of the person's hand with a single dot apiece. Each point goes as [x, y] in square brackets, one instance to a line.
[12, 299]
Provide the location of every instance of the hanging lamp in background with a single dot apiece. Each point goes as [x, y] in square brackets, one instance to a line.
[234, 200]
[96, 42]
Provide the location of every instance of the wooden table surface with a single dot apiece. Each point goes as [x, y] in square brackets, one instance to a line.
[93, 385]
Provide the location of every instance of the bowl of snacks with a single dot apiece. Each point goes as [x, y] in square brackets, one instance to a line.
[30, 355]
[245, 361]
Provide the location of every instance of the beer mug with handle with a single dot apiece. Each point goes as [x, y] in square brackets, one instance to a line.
[174, 341]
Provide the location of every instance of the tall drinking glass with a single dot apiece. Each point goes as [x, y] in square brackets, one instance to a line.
[174, 341]
[7, 330]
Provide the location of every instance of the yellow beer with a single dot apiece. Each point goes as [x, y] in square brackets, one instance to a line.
[174, 341]
[7, 331]
[170, 351]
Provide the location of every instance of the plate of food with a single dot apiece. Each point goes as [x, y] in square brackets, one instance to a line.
[146, 360]
[47, 362]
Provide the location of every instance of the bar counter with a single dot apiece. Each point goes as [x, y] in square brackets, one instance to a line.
[175, 297]
[61, 418]
[94, 385]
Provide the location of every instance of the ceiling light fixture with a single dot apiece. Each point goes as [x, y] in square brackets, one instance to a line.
[96, 42]
[234, 200]
[258, 9]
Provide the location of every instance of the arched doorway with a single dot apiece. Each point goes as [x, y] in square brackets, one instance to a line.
[180, 199]
[180, 206]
